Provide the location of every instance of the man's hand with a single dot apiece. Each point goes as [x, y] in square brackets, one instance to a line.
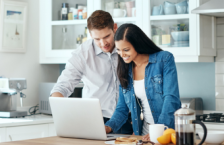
[146, 137]
[57, 94]
[108, 129]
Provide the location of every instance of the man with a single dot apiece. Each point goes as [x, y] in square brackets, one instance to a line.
[95, 63]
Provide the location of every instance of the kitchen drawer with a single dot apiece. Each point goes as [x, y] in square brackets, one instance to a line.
[26, 132]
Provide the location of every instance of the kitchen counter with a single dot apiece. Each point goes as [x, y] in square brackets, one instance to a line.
[28, 120]
[65, 141]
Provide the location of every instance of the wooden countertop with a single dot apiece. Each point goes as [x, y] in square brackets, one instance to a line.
[61, 141]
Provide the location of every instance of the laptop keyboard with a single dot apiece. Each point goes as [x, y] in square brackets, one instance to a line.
[108, 136]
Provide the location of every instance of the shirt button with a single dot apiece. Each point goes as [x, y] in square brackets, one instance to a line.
[152, 111]
[145, 87]
[136, 131]
[149, 99]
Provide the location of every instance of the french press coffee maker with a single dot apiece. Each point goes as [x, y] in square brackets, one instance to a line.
[185, 127]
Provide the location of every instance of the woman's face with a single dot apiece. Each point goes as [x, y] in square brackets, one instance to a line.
[126, 50]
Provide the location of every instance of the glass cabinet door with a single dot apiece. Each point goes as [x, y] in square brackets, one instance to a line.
[171, 26]
[65, 26]
[122, 11]
[170, 33]
[119, 8]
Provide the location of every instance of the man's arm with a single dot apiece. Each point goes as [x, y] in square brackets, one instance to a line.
[57, 94]
[70, 77]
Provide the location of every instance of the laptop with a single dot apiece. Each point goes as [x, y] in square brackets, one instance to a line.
[79, 118]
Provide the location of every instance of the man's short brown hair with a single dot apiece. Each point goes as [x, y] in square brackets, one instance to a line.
[100, 20]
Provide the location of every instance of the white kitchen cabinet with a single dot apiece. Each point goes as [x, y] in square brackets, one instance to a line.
[200, 46]
[26, 132]
[51, 28]
[202, 29]
[2, 134]
[54, 47]
[52, 131]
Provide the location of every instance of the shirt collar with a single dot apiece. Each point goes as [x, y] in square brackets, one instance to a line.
[99, 50]
[152, 59]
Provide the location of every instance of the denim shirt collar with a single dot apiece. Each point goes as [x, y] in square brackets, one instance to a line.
[152, 59]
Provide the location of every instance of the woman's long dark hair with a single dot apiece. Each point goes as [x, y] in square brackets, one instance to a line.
[141, 43]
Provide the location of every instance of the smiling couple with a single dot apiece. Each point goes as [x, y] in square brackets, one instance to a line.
[135, 81]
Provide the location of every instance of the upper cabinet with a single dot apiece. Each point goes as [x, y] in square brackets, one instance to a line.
[190, 37]
[63, 27]
[170, 25]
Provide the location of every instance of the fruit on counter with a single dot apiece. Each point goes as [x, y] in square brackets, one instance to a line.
[164, 139]
[167, 136]
[173, 138]
[169, 131]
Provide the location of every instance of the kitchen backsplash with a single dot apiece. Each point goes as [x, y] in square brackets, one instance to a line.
[195, 80]
[219, 65]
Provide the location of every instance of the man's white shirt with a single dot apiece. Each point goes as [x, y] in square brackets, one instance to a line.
[97, 70]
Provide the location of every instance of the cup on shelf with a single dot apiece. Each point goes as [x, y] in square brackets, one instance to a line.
[166, 39]
[170, 10]
[168, 4]
[182, 3]
[157, 10]
[119, 13]
[156, 39]
[133, 12]
[129, 6]
[181, 7]
[122, 5]
[109, 6]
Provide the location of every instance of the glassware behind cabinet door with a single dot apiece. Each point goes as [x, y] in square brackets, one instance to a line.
[65, 43]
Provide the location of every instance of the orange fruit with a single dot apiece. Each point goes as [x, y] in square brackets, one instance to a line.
[169, 131]
[164, 139]
[173, 138]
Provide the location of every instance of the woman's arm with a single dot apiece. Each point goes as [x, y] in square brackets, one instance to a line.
[170, 93]
[120, 115]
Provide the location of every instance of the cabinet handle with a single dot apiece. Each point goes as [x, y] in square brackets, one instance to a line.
[10, 137]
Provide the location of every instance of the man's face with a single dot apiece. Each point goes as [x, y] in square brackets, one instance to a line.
[104, 38]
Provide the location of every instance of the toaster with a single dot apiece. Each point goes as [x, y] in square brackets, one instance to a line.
[193, 103]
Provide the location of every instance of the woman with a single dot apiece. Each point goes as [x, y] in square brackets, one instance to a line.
[149, 86]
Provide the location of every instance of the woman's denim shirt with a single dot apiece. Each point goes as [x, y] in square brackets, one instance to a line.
[161, 86]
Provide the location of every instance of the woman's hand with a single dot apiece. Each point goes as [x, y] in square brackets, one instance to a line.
[146, 137]
[108, 129]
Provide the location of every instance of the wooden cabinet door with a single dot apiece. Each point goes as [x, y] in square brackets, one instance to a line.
[26, 132]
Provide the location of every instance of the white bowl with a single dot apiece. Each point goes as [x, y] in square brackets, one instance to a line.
[213, 137]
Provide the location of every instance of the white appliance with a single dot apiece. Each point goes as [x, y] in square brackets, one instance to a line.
[44, 93]
[8, 97]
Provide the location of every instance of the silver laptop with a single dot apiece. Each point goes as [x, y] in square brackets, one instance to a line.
[79, 118]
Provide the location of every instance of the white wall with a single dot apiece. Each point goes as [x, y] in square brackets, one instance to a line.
[219, 65]
[26, 65]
